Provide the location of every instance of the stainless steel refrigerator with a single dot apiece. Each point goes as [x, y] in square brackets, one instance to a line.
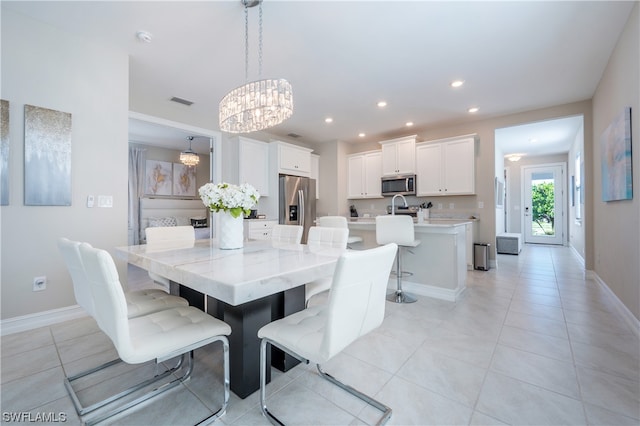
[297, 202]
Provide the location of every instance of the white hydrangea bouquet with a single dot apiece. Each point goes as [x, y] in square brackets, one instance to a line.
[230, 198]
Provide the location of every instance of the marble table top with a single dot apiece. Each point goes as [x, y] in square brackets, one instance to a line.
[260, 269]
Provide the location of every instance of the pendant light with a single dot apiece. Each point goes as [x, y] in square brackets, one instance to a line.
[260, 104]
[189, 157]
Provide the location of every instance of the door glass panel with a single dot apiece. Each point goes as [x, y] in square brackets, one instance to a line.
[543, 204]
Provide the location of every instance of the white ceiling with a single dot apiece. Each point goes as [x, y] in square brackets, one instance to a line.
[343, 57]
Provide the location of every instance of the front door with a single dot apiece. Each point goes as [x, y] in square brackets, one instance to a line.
[543, 204]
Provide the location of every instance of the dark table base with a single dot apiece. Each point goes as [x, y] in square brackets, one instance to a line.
[244, 345]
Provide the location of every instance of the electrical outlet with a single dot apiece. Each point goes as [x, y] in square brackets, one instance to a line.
[439, 206]
[90, 201]
[39, 283]
[481, 204]
[451, 206]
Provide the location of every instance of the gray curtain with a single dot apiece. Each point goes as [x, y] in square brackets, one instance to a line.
[136, 190]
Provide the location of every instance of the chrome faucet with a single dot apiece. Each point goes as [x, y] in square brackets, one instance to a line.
[393, 203]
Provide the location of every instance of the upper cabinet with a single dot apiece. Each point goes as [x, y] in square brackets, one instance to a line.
[446, 167]
[399, 156]
[365, 171]
[253, 165]
[293, 159]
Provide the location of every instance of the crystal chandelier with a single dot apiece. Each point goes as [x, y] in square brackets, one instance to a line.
[189, 157]
[259, 104]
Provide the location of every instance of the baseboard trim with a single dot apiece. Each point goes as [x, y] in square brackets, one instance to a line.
[428, 290]
[629, 318]
[40, 319]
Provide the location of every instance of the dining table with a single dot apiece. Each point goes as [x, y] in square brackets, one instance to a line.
[247, 288]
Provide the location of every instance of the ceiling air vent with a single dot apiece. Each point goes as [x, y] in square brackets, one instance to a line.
[293, 135]
[181, 101]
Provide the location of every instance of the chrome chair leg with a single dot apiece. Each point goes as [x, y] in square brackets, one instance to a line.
[170, 385]
[386, 411]
[81, 410]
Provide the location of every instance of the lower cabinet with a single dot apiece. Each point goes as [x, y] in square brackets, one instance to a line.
[258, 229]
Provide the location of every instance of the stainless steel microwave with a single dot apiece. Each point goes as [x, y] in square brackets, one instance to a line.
[404, 184]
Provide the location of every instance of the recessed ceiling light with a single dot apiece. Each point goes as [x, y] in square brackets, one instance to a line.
[473, 109]
[533, 140]
[457, 83]
[328, 120]
[144, 36]
[382, 104]
[361, 135]
[409, 123]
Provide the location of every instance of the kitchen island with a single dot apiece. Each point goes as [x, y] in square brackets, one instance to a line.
[438, 264]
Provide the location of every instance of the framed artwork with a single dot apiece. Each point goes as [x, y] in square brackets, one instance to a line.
[184, 180]
[499, 193]
[47, 157]
[615, 151]
[158, 175]
[4, 152]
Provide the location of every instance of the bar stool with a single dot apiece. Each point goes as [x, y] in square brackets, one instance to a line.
[397, 229]
[338, 222]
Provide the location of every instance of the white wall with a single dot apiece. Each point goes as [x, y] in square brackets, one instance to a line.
[46, 67]
[576, 227]
[616, 224]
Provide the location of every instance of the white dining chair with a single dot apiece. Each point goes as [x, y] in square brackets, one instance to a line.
[397, 229]
[321, 236]
[166, 238]
[286, 234]
[160, 336]
[317, 334]
[140, 302]
[338, 222]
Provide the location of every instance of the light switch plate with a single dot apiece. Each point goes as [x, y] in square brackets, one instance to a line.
[105, 201]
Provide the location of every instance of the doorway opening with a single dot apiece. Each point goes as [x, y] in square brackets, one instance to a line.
[543, 187]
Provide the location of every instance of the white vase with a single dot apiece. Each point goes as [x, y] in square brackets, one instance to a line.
[231, 232]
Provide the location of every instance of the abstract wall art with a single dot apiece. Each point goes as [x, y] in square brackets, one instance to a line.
[47, 157]
[4, 152]
[158, 177]
[615, 150]
[184, 180]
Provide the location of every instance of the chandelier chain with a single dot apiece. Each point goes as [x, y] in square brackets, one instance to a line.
[260, 42]
[246, 43]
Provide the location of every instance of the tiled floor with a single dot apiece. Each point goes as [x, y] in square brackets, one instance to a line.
[532, 342]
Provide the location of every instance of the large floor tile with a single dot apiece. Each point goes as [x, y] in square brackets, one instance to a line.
[383, 351]
[537, 343]
[537, 324]
[515, 402]
[30, 362]
[414, 405]
[22, 342]
[609, 360]
[33, 391]
[446, 376]
[618, 394]
[548, 373]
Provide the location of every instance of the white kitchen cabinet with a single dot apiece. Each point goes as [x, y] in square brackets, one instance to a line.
[399, 156]
[365, 171]
[446, 167]
[293, 159]
[253, 167]
[315, 172]
[258, 229]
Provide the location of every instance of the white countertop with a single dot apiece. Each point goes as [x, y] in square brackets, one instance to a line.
[436, 222]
